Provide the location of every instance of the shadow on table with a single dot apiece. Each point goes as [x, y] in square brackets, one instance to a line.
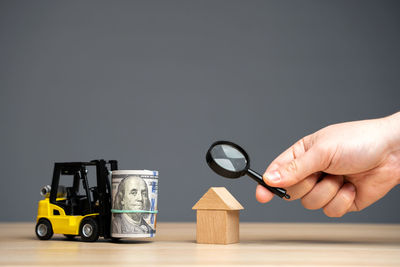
[322, 241]
[246, 241]
[77, 239]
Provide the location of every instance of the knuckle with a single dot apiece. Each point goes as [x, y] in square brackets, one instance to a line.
[299, 148]
[348, 198]
[303, 144]
[309, 205]
[292, 166]
[311, 181]
[333, 213]
[333, 184]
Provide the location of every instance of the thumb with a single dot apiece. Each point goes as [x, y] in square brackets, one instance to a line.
[296, 170]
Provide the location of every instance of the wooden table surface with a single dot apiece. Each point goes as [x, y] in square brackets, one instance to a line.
[261, 244]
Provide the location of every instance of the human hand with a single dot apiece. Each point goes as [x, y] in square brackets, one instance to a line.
[341, 168]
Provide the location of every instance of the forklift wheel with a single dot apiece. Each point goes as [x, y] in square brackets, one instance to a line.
[89, 230]
[43, 229]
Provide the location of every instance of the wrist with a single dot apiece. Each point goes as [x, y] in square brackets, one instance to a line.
[393, 134]
[392, 131]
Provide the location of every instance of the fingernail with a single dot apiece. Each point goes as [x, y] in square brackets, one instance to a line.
[273, 176]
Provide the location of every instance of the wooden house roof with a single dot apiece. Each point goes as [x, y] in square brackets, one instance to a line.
[217, 198]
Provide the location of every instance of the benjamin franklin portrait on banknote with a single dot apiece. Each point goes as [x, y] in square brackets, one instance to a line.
[132, 195]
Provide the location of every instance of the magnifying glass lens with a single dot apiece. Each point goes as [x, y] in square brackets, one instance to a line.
[228, 157]
[231, 161]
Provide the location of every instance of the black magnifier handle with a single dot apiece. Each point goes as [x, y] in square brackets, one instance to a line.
[280, 192]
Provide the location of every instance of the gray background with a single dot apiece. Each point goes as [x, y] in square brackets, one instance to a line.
[154, 83]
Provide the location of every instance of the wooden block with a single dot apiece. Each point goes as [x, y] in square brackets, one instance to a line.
[217, 217]
[217, 198]
[217, 226]
[232, 227]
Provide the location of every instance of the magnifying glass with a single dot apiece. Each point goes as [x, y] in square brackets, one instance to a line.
[231, 161]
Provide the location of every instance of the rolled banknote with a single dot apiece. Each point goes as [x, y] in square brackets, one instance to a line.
[134, 203]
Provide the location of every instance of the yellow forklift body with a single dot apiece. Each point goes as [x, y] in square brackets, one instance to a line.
[61, 223]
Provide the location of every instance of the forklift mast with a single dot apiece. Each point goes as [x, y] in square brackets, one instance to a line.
[85, 204]
[104, 194]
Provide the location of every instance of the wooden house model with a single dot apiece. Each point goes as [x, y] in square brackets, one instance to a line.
[217, 217]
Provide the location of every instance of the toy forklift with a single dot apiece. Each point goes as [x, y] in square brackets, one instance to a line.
[76, 209]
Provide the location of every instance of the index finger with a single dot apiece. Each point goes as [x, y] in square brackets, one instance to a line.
[295, 151]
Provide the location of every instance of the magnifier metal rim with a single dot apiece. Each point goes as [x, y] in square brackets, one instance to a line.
[222, 171]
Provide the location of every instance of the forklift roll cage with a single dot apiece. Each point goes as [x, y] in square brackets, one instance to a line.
[75, 204]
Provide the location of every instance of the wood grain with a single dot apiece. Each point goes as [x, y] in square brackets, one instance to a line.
[217, 226]
[266, 244]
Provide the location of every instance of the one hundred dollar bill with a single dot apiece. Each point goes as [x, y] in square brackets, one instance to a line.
[134, 203]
